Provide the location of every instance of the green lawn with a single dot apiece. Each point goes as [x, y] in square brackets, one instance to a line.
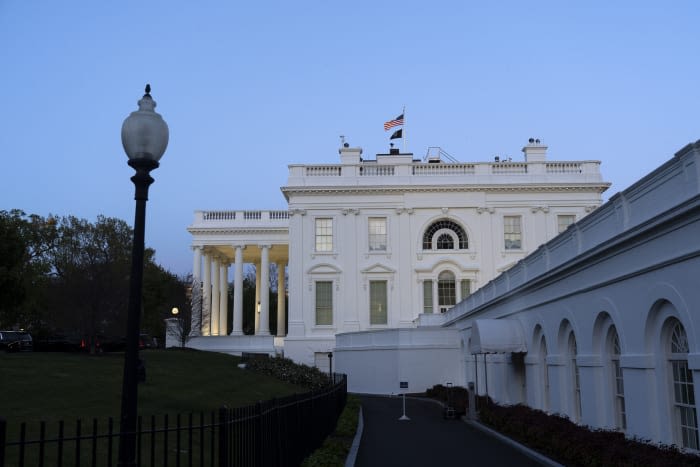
[53, 386]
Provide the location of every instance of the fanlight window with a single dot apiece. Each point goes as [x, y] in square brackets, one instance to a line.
[445, 240]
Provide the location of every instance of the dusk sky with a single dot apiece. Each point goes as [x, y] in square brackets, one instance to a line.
[250, 87]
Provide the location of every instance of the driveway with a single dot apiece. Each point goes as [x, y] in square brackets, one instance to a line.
[426, 439]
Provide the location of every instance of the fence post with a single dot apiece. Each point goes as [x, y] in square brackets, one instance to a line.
[223, 437]
[258, 434]
[3, 438]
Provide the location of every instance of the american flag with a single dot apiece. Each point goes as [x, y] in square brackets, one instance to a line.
[392, 123]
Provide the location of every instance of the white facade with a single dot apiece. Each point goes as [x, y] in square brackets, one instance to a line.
[374, 244]
[607, 313]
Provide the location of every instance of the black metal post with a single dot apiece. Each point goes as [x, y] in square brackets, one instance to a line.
[129, 411]
[330, 366]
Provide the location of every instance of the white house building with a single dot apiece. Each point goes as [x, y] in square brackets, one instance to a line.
[600, 323]
[380, 244]
[508, 275]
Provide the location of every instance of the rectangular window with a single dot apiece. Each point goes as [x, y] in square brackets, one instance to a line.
[447, 295]
[377, 233]
[684, 398]
[577, 387]
[465, 288]
[427, 296]
[564, 221]
[512, 232]
[619, 395]
[377, 302]
[324, 234]
[324, 303]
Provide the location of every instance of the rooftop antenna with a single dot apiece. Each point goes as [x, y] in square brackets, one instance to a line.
[342, 140]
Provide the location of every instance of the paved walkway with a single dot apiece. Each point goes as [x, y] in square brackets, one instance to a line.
[426, 439]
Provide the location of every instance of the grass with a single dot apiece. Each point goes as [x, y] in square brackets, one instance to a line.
[54, 386]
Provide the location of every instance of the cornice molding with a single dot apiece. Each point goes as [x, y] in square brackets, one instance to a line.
[325, 190]
[234, 231]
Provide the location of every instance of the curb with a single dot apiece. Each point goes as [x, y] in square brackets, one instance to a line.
[544, 460]
[352, 455]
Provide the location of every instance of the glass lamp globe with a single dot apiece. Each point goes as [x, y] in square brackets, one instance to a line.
[144, 132]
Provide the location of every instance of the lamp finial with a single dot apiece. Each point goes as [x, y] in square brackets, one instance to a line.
[148, 90]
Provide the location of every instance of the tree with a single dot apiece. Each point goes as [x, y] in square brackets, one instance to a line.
[24, 267]
[184, 326]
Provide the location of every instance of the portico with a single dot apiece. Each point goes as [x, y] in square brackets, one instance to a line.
[230, 239]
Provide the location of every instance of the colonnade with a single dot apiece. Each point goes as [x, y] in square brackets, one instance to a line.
[211, 269]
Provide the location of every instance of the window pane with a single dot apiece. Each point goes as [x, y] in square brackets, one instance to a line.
[324, 303]
[427, 296]
[465, 288]
[446, 290]
[564, 221]
[377, 302]
[324, 234]
[445, 224]
[377, 233]
[445, 242]
[512, 232]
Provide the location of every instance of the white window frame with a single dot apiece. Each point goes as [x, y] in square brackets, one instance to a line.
[575, 376]
[618, 383]
[507, 232]
[566, 226]
[386, 301]
[316, 310]
[682, 388]
[325, 247]
[428, 285]
[374, 236]
[545, 374]
[443, 308]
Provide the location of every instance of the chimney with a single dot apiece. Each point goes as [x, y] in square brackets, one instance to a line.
[535, 151]
[350, 155]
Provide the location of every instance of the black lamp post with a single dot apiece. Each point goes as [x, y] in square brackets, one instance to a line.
[144, 137]
[330, 367]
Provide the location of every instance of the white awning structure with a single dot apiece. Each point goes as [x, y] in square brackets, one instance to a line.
[497, 336]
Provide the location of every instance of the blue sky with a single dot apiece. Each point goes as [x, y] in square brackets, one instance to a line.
[250, 87]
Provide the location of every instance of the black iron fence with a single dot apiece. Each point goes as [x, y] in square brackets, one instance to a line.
[278, 432]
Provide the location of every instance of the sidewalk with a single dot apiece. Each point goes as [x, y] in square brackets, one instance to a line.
[427, 439]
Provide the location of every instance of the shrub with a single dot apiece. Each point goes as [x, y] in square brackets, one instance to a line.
[455, 396]
[286, 370]
[571, 444]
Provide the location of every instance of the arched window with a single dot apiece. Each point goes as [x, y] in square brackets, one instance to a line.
[574, 378]
[447, 295]
[544, 374]
[683, 389]
[445, 233]
[618, 386]
[445, 242]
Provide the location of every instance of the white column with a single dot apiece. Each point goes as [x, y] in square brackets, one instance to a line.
[238, 293]
[223, 300]
[436, 299]
[280, 299]
[197, 265]
[195, 322]
[215, 297]
[258, 269]
[265, 291]
[206, 296]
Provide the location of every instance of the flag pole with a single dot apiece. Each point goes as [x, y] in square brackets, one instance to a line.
[404, 129]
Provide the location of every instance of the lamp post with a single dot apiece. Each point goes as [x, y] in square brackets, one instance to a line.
[144, 137]
[180, 331]
[330, 367]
